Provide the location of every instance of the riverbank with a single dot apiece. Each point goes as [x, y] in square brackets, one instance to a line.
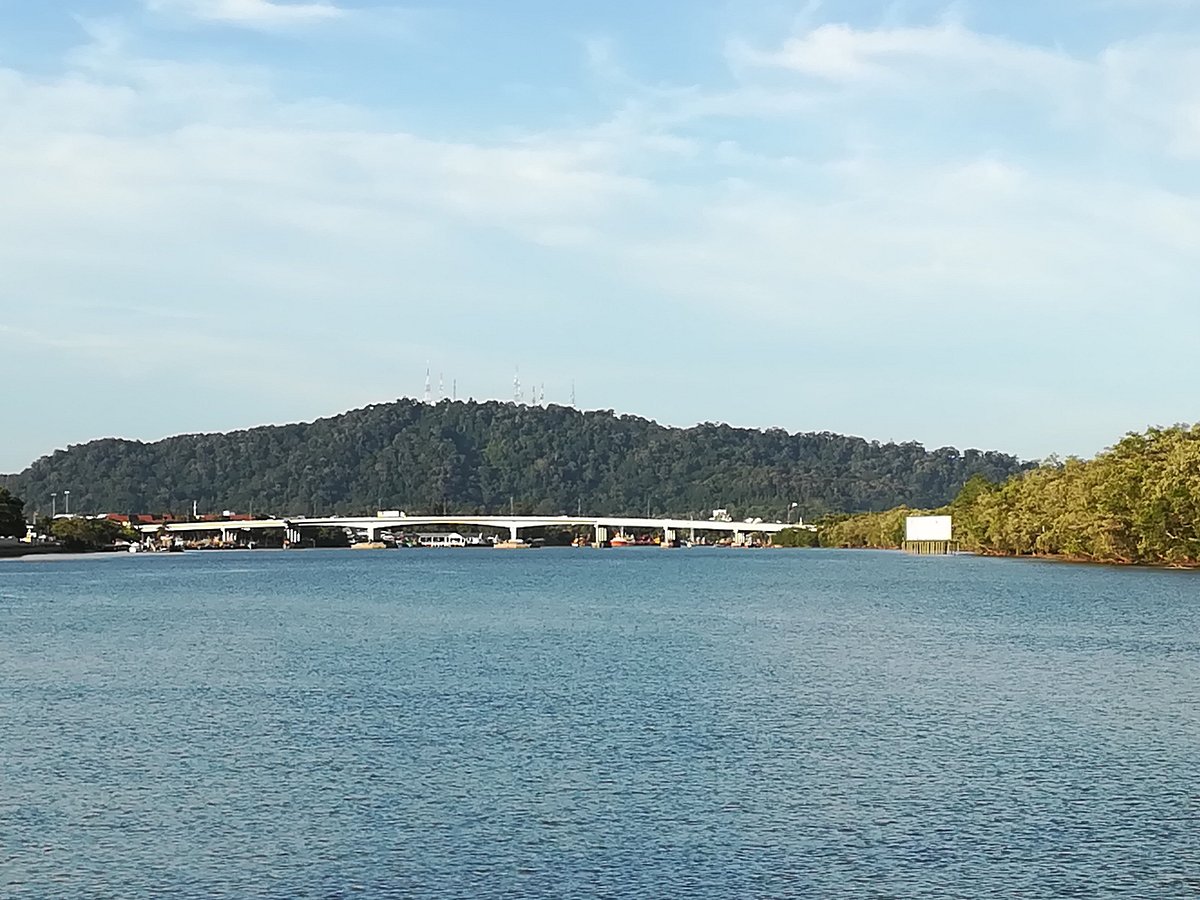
[12, 551]
[1190, 565]
[17, 551]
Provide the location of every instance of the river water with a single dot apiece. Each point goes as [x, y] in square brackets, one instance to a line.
[623, 723]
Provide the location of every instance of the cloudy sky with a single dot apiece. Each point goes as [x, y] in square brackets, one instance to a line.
[967, 223]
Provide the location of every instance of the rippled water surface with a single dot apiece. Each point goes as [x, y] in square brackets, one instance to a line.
[627, 723]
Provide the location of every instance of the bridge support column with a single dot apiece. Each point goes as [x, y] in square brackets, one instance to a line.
[372, 534]
[668, 538]
[601, 535]
[512, 531]
[224, 535]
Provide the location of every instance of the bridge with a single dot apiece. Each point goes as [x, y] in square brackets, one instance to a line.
[372, 526]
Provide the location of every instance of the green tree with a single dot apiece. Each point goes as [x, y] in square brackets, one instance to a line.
[12, 514]
[796, 537]
[78, 534]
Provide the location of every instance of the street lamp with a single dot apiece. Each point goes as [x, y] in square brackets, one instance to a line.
[67, 501]
[53, 504]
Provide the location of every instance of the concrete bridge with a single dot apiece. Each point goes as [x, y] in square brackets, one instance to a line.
[371, 526]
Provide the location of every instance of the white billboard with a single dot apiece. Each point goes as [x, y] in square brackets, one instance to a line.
[928, 528]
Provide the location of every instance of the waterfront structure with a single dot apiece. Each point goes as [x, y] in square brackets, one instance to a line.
[929, 535]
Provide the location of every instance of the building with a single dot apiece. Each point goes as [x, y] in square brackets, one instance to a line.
[453, 539]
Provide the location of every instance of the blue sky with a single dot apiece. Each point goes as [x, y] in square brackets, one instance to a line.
[964, 223]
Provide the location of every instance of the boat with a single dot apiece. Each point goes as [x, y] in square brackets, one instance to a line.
[369, 545]
[621, 540]
[512, 544]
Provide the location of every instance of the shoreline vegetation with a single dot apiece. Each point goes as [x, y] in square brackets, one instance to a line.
[1135, 504]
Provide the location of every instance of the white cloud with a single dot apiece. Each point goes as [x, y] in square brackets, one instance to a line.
[805, 194]
[837, 52]
[253, 13]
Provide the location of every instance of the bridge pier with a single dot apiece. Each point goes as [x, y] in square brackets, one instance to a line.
[601, 535]
[668, 538]
[512, 531]
[224, 535]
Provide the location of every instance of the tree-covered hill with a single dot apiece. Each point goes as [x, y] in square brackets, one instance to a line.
[481, 456]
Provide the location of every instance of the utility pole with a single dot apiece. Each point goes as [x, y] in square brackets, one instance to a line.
[53, 504]
[67, 501]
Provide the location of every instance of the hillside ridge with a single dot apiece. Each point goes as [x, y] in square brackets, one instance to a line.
[491, 456]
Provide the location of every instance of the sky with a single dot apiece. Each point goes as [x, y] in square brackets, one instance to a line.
[960, 223]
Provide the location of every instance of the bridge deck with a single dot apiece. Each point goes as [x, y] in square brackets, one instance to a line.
[503, 523]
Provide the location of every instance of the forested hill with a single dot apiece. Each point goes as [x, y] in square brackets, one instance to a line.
[476, 456]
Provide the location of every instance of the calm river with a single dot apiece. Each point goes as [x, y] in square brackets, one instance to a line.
[623, 723]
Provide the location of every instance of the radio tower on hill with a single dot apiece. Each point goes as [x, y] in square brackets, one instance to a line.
[428, 386]
[518, 397]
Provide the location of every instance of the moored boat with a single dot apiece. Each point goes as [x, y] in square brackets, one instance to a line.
[512, 544]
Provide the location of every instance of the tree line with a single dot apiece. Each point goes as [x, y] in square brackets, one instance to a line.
[1137, 502]
[492, 457]
[72, 534]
